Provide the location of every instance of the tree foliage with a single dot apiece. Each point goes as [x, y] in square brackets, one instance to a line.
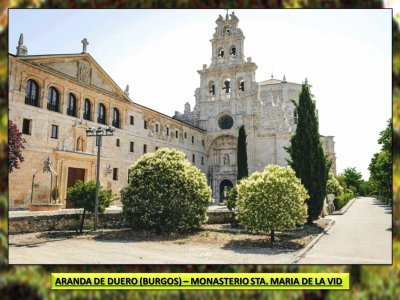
[165, 193]
[353, 179]
[272, 200]
[15, 146]
[381, 164]
[307, 156]
[83, 195]
[333, 185]
[242, 154]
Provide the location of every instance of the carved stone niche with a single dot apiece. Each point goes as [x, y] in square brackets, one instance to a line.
[84, 72]
[80, 139]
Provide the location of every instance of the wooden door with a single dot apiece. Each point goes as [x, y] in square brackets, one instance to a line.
[74, 174]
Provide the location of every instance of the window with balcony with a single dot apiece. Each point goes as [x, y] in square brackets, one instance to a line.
[53, 98]
[86, 110]
[101, 114]
[71, 109]
[32, 93]
[116, 122]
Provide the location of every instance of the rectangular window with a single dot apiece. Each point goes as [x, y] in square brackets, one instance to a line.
[117, 143]
[176, 134]
[156, 129]
[192, 139]
[145, 124]
[132, 120]
[203, 142]
[129, 172]
[115, 173]
[54, 132]
[185, 135]
[157, 148]
[167, 130]
[144, 148]
[132, 147]
[202, 160]
[26, 126]
[193, 158]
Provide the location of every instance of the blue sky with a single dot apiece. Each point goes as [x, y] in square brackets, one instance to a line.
[345, 55]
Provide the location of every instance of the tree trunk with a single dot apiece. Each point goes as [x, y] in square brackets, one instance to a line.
[272, 237]
[83, 220]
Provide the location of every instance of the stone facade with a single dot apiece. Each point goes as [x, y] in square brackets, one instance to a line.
[227, 98]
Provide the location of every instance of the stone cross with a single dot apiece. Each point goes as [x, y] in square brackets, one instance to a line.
[84, 43]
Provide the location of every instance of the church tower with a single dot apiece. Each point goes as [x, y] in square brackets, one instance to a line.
[225, 101]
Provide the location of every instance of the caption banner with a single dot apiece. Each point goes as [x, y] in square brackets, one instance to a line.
[191, 281]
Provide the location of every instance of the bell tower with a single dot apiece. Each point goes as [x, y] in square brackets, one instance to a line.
[229, 82]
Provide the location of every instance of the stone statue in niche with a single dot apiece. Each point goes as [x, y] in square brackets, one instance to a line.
[79, 144]
[84, 72]
[226, 159]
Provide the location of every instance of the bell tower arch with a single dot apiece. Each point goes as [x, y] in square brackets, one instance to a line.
[228, 84]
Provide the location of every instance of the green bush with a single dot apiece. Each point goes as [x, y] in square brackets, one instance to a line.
[165, 193]
[333, 185]
[272, 200]
[83, 195]
[231, 198]
[341, 200]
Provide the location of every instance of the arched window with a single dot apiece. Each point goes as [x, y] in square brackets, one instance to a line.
[71, 109]
[86, 109]
[221, 52]
[233, 51]
[53, 99]
[101, 114]
[211, 87]
[115, 119]
[226, 30]
[227, 86]
[295, 116]
[241, 85]
[32, 93]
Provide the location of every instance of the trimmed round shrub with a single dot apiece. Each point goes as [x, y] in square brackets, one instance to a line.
[165, 193]
[272, 200]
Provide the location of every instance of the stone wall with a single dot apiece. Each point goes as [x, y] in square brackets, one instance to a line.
[26, 222]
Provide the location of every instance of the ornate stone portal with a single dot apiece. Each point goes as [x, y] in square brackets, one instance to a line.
[222, 164]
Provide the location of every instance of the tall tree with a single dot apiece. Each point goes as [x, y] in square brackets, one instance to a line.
[15, 147]
[381, 164]
[243, 170]
[307, 156]
[353, 179]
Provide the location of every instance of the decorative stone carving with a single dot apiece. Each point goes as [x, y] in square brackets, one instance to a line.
[84, 72]
[79, 144]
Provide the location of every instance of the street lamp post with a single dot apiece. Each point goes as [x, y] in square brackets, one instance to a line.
[98, 133]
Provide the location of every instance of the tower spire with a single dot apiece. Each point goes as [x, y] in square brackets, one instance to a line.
[21, 48]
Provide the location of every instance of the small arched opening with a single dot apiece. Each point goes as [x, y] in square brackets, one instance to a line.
[224, 186]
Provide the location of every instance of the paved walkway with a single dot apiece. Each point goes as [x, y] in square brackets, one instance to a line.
[363, 235]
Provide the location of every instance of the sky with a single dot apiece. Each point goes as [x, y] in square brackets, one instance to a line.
[344, 54]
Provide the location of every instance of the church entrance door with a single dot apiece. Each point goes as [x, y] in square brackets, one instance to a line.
[74, 174]
[223, 189]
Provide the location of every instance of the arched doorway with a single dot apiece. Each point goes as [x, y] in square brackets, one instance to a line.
[224, 184]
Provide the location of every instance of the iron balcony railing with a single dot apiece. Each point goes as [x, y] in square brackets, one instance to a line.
[30, 101]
